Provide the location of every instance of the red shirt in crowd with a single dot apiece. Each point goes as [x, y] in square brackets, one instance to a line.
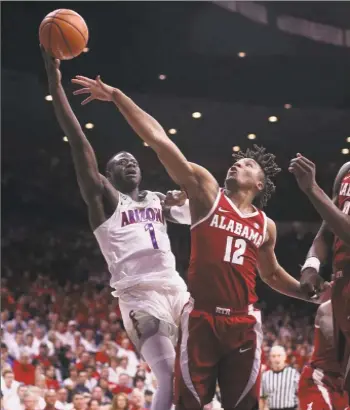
[24, 373]
[116, 389]
[52, 384]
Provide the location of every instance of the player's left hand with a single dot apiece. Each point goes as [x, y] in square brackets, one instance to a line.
[175, 198]
[97, 89]
[304, 171]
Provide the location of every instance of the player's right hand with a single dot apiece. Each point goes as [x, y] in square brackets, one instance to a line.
[311, 282]
[52, 66]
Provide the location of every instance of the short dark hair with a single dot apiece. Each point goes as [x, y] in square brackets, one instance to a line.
[111, 160]
[268, 165]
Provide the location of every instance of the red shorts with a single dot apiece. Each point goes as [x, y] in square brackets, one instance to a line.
[314, 394]
[221, 347]
[341, 318]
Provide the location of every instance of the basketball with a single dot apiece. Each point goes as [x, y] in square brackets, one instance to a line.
[64, 34]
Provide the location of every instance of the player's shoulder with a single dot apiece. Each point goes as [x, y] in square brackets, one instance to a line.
[344, 170]
[271, 231]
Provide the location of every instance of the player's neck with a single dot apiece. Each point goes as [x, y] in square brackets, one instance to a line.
[242, 199]
[134, 194]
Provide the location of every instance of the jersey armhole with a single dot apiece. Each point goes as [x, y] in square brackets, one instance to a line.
[106, 223]
[217, 199]
[265, 227]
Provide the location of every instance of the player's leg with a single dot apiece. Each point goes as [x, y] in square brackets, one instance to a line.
[153, 338]
[239, 369]
[311, 396]
[159, 353]
[197, 355]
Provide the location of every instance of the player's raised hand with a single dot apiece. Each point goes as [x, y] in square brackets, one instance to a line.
[304, 172]
[97, 89]
[175, 198]
[52, 66]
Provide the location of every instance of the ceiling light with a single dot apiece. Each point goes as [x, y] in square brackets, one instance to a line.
[251, 136]
[162, 76]
[196, 114]
[236, 148]
[345, 151]
[241, 54]
[48, 98]
[172, 131]
[85, 49]
[89, 126]
[287, 106]
[273, 118]
[145, 144]
[348, 139]
[65, 139]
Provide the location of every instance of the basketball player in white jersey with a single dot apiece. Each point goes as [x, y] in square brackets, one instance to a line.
[130, 227]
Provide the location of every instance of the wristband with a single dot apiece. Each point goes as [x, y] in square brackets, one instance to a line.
[312, 262]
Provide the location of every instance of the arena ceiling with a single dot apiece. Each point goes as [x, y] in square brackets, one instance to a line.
[196, 45]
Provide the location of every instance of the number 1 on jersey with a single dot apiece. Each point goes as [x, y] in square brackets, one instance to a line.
[150, 229]
[237, 257]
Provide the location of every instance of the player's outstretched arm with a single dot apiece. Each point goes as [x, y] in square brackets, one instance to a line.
[272, 273]
[189, 176]
[85, 163]
[337, 221]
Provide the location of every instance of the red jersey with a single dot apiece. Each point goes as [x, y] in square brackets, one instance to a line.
[324, 356]
[341, 251]
[224, 252]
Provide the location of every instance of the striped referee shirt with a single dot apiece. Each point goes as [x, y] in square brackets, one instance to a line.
[280, 388]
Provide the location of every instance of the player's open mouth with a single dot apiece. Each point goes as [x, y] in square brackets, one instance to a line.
[130, 173]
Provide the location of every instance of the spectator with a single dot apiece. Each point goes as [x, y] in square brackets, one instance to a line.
[137, 400]
[78, 402]
[51, 381]
[120, 402]
[91, 381]
[148, 399]
[23, 369]
[29, 344]
[123, 385]
[80, 386]
[9, 385]
[72, 380]
[50, 400]
[62, 400]
[6, 361]
[94, 405]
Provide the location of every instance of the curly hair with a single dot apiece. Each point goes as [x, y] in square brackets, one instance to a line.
[269, 167]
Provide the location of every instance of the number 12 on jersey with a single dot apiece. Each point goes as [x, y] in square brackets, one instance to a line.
[238, 252]
[150, 229]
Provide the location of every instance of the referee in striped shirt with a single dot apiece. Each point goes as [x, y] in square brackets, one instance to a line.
[279, 385]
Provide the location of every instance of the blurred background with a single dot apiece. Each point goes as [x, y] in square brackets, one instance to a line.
[218, 76]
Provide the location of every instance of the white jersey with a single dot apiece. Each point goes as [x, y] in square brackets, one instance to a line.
[136, 246]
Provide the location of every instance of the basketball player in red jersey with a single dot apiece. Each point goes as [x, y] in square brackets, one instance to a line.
[321, 382]
[336, 216]
[221, 331]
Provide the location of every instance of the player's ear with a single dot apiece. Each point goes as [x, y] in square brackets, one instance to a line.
[260, 185]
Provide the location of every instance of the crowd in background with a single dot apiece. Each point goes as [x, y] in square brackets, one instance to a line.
[62, 336]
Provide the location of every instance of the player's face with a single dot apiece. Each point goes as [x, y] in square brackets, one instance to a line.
[246, 174]
[125, 172]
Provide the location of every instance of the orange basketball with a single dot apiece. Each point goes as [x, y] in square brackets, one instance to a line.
[64, 34]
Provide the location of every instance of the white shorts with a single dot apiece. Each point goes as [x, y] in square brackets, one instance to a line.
[145, 312]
